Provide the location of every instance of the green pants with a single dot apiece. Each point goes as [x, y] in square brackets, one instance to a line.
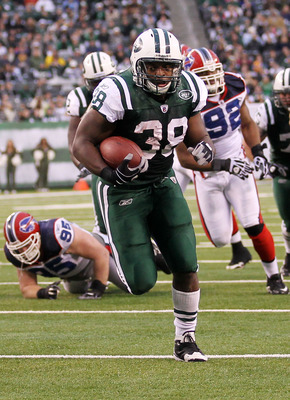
[132, 216]
[281, 189]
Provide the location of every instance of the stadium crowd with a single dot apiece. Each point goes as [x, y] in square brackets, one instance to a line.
[251, 38]
[43, 43]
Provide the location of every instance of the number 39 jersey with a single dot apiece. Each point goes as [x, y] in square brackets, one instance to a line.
[56, 237]
[222, 117]
[157, 127]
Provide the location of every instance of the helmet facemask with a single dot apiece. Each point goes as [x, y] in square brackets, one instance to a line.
[213, 78]
[28, 251]
[158, 84]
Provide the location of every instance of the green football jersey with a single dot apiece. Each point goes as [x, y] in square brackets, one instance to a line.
[275, 122]
[156, 126]
[78, 101]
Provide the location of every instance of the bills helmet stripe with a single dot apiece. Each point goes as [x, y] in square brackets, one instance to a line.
[10, 228]
[204, 54]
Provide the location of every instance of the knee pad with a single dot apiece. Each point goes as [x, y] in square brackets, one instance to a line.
[254, 230]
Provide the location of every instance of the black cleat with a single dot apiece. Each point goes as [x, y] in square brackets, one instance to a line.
[241, 256]
[285, 269]
[275, 285]
[185, 349]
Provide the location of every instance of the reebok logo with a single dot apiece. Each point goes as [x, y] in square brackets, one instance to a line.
[126, 202]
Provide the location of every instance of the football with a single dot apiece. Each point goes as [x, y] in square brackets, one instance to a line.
[115, 148]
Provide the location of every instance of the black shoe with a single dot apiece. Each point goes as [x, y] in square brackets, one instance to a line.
[241, 256]
[285, 269]
[186, 349]
[275, 285]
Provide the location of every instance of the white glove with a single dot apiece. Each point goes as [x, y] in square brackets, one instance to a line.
[262, 165]
[236, 166]
[202, 153]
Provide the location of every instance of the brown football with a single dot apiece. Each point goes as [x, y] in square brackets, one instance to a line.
[115, 148]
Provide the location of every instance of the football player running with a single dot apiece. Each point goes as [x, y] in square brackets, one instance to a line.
[226, 116]
[61, 249]
[157, 105]
[96, 66]
[272, 117]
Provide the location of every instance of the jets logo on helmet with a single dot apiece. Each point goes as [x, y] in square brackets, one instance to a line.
[97, 66]
[151, 47]
[206, 64]
[281, 89]
[22, 234]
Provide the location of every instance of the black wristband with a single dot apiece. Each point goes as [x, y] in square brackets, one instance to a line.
[42, 294]
[221, 165]
[257, 150]
[108, 174]
[80, 166]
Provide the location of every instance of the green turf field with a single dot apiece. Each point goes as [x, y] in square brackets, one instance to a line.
[121, 347]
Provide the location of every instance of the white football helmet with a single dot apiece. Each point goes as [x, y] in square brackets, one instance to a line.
[282, 85]
[206, 64]
[156, 46]
[97, 66]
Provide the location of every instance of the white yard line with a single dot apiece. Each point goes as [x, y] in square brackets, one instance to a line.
[227, 310]
[151, 356]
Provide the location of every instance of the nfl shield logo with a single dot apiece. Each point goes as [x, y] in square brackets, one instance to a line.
[164, 108]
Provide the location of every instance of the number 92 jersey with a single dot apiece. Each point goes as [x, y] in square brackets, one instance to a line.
[222, 117]
[157, 127]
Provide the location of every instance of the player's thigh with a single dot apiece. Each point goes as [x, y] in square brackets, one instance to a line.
[125, 216]
[214, 208]
[281, 190]
[171, 225]
[243, 195]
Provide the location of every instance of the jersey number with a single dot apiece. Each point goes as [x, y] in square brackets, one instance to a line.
[217, 122]
[65, 233]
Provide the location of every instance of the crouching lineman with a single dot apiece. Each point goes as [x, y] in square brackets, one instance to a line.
[57, 248]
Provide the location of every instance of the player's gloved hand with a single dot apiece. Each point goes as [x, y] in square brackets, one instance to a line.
[95, 291]
[236, 166]
[260, 161]
[276, 169]
[123, 173]
[202, 153]
[83, 172]
[49, 292]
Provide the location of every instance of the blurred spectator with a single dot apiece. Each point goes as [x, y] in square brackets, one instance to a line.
[42, 154]
[11, 158]
[164, 23]
[263, 29]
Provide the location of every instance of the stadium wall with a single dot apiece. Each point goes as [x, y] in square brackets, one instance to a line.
[26, 136]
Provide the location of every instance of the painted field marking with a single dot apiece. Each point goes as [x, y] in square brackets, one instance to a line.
[215, 356]
[226, 310]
